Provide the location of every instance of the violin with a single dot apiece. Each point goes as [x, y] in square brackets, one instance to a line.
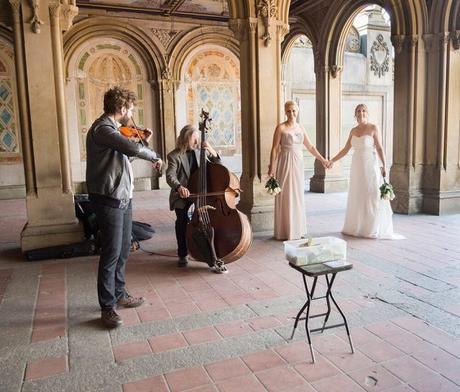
[134, 133]
[140, 135]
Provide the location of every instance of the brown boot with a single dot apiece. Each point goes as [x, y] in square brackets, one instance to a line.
[110, 318]
[128, 301]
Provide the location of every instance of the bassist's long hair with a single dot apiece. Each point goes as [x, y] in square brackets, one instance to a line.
[182, 142]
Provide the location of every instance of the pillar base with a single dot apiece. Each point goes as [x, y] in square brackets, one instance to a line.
[407, 202]
[261, 217]
[328, 184]
[440, 203]
[407, 182]
[36, 237]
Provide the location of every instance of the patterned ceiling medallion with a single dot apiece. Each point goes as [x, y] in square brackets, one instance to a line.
[380, 57]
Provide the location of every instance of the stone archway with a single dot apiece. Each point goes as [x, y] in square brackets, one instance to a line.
[408, 25]
[98, 55]
[211, 80]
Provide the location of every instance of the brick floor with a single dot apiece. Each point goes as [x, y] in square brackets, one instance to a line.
[203, 332]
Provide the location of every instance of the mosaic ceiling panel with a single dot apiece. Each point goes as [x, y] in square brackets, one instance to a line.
[195, 7]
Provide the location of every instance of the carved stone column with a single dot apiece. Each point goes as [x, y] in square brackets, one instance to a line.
[260, 58]
[328, 126]
[167, 88]
[50, 207]
[409, 122]
[442, 173]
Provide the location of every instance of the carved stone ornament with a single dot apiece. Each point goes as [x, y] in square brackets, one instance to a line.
[267, 10]
[398, 42]
[302, 41]
[35, 21]
[380, 57]
[335, 70]
[353, 43]
[166, 78]
[68, 13]
[166, 73]
[164, 36]
[241, 27]
[54, 7]
[455, 36]
[428, 40]
[444, 39]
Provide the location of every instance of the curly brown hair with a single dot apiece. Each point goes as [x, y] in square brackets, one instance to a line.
[116, 98]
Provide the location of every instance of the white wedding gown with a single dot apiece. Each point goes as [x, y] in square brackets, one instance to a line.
[367, 214]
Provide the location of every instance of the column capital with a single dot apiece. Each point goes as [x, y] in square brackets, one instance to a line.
[428, 39]
[67, 15]
[54, 8]
[455, 36]
[243, 27]
[411, 41]
[444, 39]
[398, 42]
[282, 29]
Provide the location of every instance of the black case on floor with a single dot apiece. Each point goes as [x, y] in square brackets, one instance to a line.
[85, 248]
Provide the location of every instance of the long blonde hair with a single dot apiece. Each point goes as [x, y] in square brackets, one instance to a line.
[183, 140]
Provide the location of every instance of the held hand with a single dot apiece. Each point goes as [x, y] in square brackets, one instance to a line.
[208, 147]
[148, 133]
[384, 173]
[158, 164]
[329, 165]
[183, 192]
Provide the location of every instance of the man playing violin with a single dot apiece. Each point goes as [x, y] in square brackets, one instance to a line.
[182, 162]
[109, 178]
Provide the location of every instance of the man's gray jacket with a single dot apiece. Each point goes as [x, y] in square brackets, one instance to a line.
[178, 173]
[107, 162]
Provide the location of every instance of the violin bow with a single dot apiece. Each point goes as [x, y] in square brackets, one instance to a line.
[137, 131]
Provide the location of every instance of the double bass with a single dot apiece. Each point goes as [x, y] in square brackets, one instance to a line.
[217, 232]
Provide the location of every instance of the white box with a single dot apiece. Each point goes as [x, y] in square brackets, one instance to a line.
[321, 249]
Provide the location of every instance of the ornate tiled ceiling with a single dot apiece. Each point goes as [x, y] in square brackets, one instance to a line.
[203, 8]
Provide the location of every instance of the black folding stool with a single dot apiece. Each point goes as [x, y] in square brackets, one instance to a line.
[314, 271]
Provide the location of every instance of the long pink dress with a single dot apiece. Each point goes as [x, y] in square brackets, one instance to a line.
[290, 219]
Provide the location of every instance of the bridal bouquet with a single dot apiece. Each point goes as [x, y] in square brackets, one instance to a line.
[273, 186]
[387, 191]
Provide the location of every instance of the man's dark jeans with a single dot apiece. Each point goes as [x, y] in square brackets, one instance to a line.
[181, 229]
[115, 225]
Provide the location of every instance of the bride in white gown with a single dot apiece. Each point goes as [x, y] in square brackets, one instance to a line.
[367, 214]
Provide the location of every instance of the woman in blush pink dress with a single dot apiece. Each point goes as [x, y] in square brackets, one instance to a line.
[286, 159]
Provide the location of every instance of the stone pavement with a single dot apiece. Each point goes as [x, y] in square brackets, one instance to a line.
[205, 332]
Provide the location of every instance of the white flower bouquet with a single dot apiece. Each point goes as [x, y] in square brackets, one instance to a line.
[387, 191]
[273, 186]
